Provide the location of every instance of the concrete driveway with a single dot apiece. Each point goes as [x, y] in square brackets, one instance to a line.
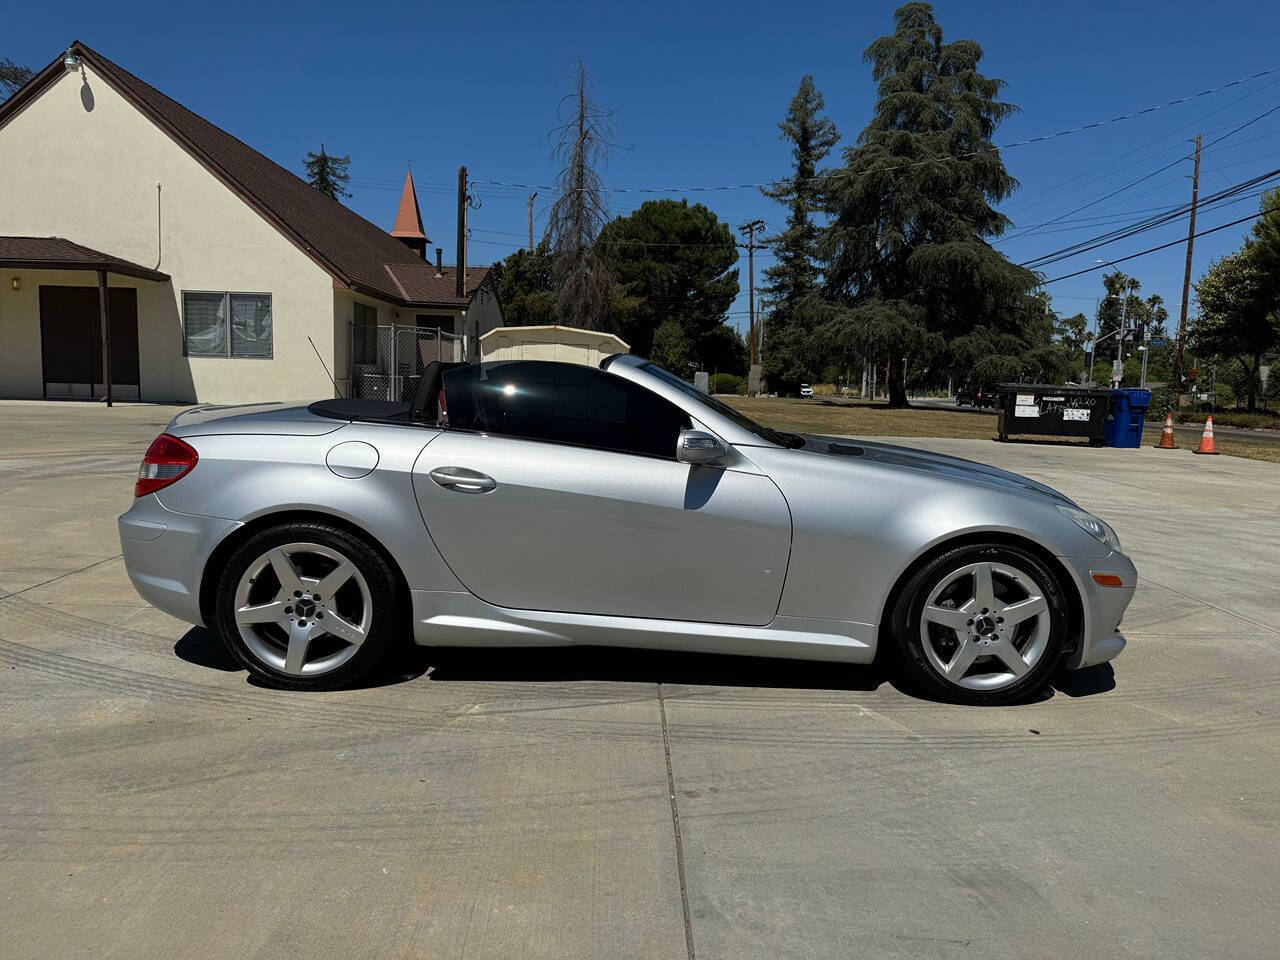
[493, 804]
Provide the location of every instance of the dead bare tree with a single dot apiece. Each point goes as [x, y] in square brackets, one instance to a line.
[579, 211]
[12, 77]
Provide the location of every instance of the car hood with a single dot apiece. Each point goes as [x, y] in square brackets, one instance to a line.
[937, 464]
[259, 418]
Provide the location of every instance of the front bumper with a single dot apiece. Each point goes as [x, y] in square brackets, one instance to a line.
[1103, 607]
[165, 554]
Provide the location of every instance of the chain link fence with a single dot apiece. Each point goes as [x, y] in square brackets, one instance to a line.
[387, 361]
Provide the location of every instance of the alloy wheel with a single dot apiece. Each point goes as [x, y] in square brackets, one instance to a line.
[303, 609]
[985, 625]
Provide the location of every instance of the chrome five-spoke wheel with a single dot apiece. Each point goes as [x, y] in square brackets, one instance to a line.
[303, 608]
[985, 625]
[981, 624]
[306, 605]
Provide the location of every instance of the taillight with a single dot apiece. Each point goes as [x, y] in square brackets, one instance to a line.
[166, 461]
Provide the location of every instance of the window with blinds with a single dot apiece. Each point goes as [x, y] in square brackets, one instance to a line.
[226, 324]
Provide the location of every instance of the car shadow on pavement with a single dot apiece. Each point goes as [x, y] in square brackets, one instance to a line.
[1088, 682]
[408, 662]
[567, 664]
[203, 648]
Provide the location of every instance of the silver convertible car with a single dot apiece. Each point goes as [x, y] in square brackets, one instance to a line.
[531, 503]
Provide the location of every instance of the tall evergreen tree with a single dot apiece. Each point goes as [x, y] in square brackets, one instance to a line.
[795, 275]
[907, 254]
[328, 173]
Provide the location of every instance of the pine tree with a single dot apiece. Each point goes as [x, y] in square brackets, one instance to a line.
[906, 254]
[328, 173]
[795, 276]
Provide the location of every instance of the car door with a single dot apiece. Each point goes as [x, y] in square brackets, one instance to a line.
[556, 488]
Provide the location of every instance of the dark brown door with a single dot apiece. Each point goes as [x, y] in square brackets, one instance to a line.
[71, 341]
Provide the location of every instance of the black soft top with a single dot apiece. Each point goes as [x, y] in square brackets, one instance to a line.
[422, 407]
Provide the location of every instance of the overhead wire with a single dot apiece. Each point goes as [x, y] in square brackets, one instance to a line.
[1162, 246]
[1142, 226]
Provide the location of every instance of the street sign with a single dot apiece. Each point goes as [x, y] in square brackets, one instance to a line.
[1159, 341]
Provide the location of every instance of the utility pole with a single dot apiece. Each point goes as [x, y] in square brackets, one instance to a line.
[755, 336]
[460, 285]
[1124, 316]
[1186, 278]
[532, 197]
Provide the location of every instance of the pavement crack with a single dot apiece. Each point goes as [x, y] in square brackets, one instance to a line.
[1206, 603]
[675, 825]
[69, 573]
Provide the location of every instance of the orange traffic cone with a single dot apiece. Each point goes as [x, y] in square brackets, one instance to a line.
[1206, 439]
[1166, 435]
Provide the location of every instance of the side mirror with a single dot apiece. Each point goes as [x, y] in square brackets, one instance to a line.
[699, 447]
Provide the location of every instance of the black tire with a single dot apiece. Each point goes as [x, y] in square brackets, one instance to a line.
[386, 604]
[905, 622]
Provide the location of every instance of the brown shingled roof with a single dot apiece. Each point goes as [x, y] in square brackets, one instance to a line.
[353, 250]
[57, 253]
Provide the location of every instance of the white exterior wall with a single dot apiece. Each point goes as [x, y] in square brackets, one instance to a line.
[90, 175]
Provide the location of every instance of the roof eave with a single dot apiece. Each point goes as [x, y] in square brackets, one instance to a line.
[120, 269]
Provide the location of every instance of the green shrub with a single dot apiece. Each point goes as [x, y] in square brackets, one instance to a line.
[1231, 418]
[728, 383]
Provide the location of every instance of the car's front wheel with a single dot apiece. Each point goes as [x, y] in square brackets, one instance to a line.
[307, 606]
[982, 624]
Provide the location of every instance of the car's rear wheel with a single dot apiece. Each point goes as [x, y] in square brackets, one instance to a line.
[307, 606]
[981, 624]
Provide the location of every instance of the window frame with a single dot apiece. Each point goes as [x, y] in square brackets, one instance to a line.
[226, 303]
[605, 374]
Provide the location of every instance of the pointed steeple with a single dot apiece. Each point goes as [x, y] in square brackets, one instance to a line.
[408, 225]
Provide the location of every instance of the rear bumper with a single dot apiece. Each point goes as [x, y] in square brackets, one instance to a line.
[165, 555]
[1103, 607]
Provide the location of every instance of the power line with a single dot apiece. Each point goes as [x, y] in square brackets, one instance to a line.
[1133, 183]
[1021, 202]
[973, 153]
[1142, 226]
[1163, 246]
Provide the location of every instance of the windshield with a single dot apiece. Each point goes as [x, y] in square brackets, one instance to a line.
[779, 437]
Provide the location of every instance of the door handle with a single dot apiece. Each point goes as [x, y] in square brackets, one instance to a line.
[463, 480]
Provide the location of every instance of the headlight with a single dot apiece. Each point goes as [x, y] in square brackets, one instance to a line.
[1100, 530]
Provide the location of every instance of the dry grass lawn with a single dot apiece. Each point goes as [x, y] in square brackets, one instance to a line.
[844, 418]
[864, 419]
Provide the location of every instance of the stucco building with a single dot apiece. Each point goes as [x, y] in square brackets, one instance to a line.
[224, 277]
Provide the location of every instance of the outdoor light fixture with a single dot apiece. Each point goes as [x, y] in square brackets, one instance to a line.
[71, 62]
[15, 284]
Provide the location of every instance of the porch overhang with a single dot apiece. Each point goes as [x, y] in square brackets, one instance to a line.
[58, 253]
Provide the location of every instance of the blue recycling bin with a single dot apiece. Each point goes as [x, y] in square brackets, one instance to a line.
[1128, 412]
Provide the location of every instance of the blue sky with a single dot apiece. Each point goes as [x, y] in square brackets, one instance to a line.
[696, 91]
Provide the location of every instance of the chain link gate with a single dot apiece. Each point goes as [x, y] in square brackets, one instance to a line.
[387, 361]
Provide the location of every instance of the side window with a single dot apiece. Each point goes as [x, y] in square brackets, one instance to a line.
[562, 403]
